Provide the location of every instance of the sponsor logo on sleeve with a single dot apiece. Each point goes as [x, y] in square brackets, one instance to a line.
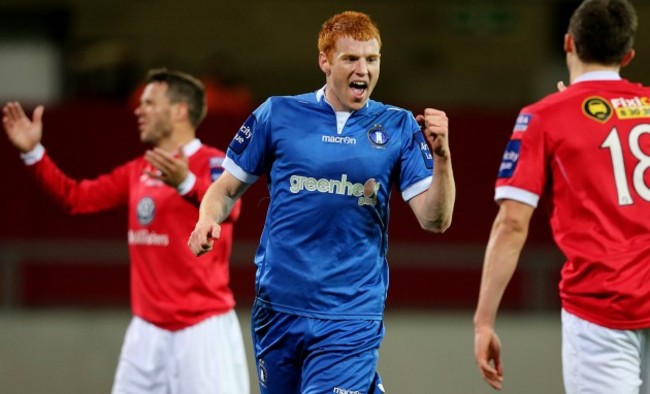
[244, 135]
[523, 120]
[424, 149]
[597, 108]
[510, 159]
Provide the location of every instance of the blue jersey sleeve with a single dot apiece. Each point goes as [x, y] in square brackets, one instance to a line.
[249, 150]
[416, 164]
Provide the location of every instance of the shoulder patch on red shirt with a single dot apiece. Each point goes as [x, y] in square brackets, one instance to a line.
[510, 159]
[523, 120]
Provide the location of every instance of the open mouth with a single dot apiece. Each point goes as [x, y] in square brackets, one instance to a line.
[358, 88]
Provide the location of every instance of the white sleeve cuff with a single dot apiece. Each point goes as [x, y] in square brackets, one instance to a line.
[33, 156]
[416, 188]
[187, 184]
[237, 171]
[517, 194]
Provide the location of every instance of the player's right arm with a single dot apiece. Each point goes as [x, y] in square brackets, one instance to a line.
[215, 207]
[507, 239]
[85, 196]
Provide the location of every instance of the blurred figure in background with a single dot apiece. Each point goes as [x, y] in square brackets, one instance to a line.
[184, 337]
[226, 92]
[588, 147]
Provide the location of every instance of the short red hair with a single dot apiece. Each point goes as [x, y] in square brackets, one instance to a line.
[355, 25]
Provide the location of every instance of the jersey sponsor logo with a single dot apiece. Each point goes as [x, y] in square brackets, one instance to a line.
[378, 136]
[244, 135]
[216, 167]
[597, 108]
[146, 210]
[366, 193]
[333, 139]
[145, 237]
[631, 107]
[510, 159]
[523, 120]
[424, 149]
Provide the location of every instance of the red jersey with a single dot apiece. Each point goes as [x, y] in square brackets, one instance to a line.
[170, 286]
[588, 147]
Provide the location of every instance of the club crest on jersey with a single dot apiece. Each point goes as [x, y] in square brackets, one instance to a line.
[597, 108]
[146, 210]
[216, 167]
[244, 135]
[510, 159]
[262, 372]
[378, 136]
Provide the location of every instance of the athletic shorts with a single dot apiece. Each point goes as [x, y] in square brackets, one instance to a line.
[301, 355]
[600, 360]
[207, 357]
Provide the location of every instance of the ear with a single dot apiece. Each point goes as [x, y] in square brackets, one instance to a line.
[180, 111]
[324, 63]
[628, 58]
[569, 45]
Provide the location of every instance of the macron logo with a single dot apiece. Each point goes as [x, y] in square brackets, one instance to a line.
[338, 140]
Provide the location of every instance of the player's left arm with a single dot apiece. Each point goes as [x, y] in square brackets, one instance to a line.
[434, 207]
[509, 232]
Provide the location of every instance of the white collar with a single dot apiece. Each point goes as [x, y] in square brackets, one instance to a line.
[320, 94]
[191, 147]
[598, 76]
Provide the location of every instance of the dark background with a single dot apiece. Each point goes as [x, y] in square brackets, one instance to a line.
[478, 60]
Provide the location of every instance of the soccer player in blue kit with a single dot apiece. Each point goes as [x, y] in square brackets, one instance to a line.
[331, 158]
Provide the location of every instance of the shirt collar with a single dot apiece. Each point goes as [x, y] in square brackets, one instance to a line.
[320, 95]
[191, 147]
[598, 76]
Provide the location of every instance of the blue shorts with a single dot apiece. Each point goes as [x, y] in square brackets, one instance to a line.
[301, 355]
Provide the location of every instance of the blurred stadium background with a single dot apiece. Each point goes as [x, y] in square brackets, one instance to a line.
[64, 292]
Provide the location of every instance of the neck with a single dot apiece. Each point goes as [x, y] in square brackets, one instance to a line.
[578, 68]
[177, 139]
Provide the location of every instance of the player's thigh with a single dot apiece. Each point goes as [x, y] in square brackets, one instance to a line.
[210, 357]
[276, 340]
[596, 359]
[143, 366]
[343, 357]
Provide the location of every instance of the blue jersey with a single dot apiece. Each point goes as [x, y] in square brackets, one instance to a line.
[322, 252]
